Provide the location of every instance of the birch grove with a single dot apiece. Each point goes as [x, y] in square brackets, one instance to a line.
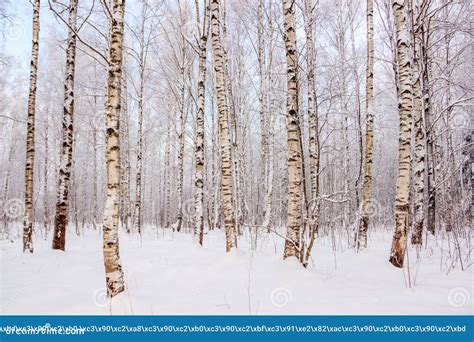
[308, 125]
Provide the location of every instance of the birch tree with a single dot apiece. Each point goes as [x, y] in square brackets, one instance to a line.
[62, 202]
[405, 106]
[420, 143]
[262, 96]
[200, 138]
[233, 107]
[125, 206]
[295, 176]
[419, 168]
[314, 144]
[139, 149]
[95, 169]
[343, 106]
[183, 65]
[429, 124]
[46, 218]
[270, 123]
[30, 133]
[226, 162]
[369, 131]
[113, 266]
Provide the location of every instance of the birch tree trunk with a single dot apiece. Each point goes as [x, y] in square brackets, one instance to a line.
[125, 207]
[30, 133]
[419, 168]
[226, 162]
[448, 185]
[345, 164]
[262, 97]
[182, 126]
[270, 130]
[295, 181]
[420, 143]
[62, 202]
[235, 151]
[369, 131]
[46, 180]
[216, 176]
[199, 146]
[167, 174]
[138, 178]
[355, 72]
[267, 221]
[73, 202]
[405, 105]
[430, 133]
[314, 204]
[95, 200]
[113, 266]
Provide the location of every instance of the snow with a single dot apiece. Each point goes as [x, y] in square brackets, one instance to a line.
[167, 273]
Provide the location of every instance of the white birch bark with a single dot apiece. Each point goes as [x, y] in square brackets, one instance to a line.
[405, 106]
[235, 147]
[168, 175]
[181, 132]
[430, 133]
[314, 204]
[139, 148]
[113, 266]
[200, 128]
[226, 162]
[419, 167]
[95, 200]
[65, 167]
[357, 83]
[30, 133]
[369, 132]
[295, 175]
[46, 178]
[420, 143]
[125, 207]
[262, 97]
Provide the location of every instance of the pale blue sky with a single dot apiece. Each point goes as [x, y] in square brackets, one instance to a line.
[18, 30]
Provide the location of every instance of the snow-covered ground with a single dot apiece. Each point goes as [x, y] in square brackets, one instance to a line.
[166, 273]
